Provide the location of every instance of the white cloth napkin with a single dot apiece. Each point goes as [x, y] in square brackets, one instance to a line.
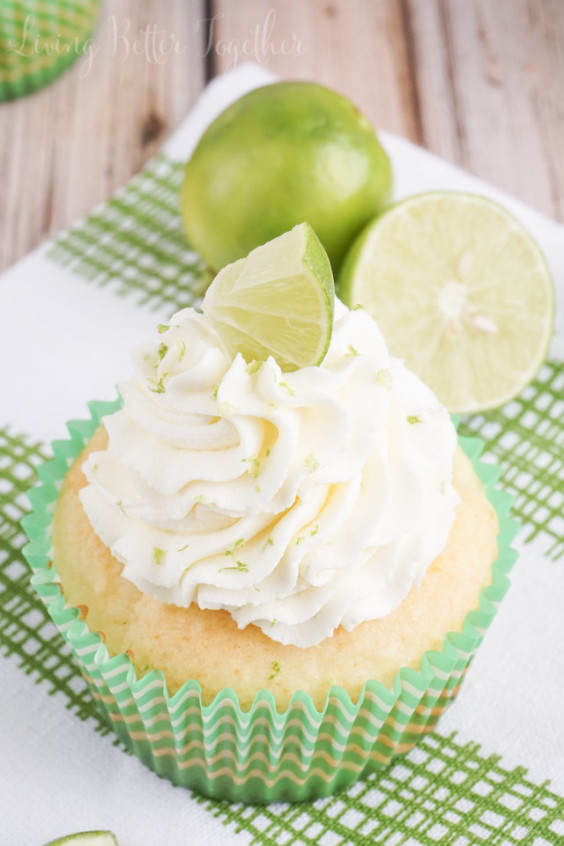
[63, 342]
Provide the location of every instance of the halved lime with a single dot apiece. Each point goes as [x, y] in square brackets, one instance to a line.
[86, 838]
[461, 292]
[276, 302]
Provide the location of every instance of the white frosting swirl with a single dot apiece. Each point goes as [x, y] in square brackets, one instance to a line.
[296, 501]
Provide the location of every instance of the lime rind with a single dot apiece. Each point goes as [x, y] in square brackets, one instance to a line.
[86, 838]
[317, 259]
[400, 265]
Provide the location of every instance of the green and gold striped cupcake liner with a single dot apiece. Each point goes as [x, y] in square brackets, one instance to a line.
[259, 755]
[39, 39]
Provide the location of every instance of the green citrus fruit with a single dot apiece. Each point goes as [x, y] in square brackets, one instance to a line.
[276, 302]
[460, 291]
[282, 154]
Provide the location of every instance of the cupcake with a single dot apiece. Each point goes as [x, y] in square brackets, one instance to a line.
[39, 39]
[272, 581]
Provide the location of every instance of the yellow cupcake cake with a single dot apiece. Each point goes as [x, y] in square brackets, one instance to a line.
[187, 642]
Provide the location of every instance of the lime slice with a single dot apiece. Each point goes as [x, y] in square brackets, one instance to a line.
[86, 838]
[276, 302]
[460, 291]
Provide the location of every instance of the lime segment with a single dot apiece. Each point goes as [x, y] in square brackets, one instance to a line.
[276, 302]
[460, 291]
[86, 838]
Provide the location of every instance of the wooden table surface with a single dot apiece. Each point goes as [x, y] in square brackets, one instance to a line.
[479, 82]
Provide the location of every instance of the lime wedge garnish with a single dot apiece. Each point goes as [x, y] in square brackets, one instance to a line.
[460, 291]
[86, 838]
[278, 301]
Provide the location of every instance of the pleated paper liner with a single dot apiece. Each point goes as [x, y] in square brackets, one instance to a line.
[261, 755]
[39, 39]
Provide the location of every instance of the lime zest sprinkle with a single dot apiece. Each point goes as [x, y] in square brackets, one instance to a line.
[352, 350]
[267, 452]
[358, 307]
[288, 388]
[240, 566]
[254, 464]
[311, 462]
[119, 504]
[231, 551]
[315, 530]
[268, 542]
[202, 500]
[158, 555]
[163, 349]
[253, 366]
[182, 548]
[275, 670]
[216, 389]
[299, 539]
[272, 622]
[181, 346]
[414, 418]
[163, 327]
[157, 387]
[384, 378]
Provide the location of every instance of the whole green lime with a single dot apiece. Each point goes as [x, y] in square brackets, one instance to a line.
[280, 155]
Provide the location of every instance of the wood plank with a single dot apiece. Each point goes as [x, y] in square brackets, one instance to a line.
[356, 47]
[490, 79]
[72, 144]
[477, 82]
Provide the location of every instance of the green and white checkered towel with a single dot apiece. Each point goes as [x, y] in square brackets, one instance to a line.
[494, 771]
